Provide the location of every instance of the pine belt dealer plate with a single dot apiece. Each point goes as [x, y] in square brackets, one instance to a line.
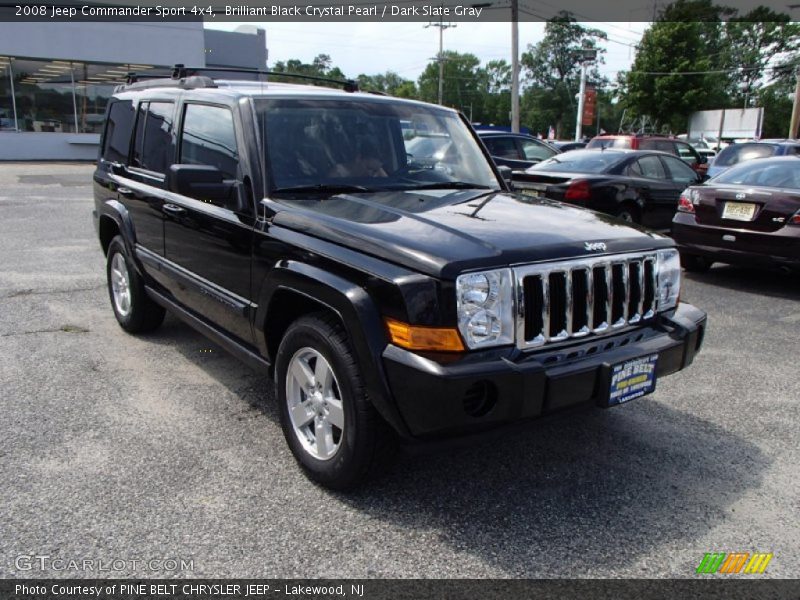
[739, 211]
[632, 379]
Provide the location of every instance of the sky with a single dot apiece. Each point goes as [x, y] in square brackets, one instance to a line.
[406, 48]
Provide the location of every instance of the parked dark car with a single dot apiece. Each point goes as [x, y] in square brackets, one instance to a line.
[516, 150]
[673, 146]
[389, 297]
[736, 153]
[750, 215]
[636, 186]
[565, 146]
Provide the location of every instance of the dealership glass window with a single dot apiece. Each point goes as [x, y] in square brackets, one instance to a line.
[59, 95]
[7, 120]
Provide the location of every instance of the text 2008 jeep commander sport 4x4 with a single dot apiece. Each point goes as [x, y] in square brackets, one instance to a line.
[367, 252]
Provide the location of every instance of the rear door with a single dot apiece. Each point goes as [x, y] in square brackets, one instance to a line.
[208, 242]
[656, 189]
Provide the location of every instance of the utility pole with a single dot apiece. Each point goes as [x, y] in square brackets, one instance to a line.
[440, 57]
[795, 122]
[515, 66]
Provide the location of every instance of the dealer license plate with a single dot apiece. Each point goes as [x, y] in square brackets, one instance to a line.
[632, 379]
[530, 192]
[739, 211]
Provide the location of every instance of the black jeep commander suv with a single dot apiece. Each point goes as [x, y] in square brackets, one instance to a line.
[394, 288]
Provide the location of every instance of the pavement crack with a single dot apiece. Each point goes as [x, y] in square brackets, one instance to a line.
[32, 292]
[63, 329]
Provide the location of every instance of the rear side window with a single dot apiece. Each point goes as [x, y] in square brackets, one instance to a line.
[535, 151]
[741, 152]
[119, 128]
[208, 138]
[623, 142]
[651, 167]
[679, 170]
[504, 147]
[151, 149]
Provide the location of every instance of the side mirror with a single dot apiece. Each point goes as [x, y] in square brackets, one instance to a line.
[505, 173]
[202, 182]
[702, 160]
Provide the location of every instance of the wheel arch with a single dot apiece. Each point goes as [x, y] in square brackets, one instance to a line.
[293, 289]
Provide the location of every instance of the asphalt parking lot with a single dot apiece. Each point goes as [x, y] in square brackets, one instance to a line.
[114, 447]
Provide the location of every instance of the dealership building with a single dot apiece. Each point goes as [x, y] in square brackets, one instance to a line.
[56, 78]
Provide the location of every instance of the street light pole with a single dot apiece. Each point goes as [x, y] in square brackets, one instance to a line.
[515, 66]
[581, 97]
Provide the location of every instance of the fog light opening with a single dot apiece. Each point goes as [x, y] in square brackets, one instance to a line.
[480, 398]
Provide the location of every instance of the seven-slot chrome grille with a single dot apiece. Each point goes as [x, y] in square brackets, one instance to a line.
[571, 299]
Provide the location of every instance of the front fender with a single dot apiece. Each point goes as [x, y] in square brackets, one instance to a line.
[358, 313]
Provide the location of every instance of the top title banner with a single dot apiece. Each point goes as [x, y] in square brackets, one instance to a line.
[352, 11]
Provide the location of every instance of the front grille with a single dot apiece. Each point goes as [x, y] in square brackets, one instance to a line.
[573, 299]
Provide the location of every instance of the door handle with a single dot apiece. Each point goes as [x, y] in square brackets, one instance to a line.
[127, 192]
[173, 209]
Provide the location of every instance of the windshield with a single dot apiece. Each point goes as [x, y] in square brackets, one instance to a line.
[331, 146]
[601, 142]
[579, 161]
[764, 173]
[742, 152]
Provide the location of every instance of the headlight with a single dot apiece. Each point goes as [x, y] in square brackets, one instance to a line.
[669, 278]
[485, 303]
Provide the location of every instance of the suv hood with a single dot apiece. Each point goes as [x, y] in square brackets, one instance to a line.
[443, 233]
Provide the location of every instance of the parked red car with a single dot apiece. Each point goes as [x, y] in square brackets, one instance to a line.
[679, 148]
[749, 215]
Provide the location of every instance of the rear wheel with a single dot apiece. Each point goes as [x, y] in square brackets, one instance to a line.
[695, 264]
[331, 427]
[135, 310]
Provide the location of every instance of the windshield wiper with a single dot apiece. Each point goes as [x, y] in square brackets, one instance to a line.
[456, 185]
[321, 188]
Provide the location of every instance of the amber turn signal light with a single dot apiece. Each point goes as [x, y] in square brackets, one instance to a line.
[433, 339]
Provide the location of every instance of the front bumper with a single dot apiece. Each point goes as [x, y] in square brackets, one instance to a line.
[750, 248]
[488, 389]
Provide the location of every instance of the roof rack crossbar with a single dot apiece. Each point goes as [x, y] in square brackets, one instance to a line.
[181, 71]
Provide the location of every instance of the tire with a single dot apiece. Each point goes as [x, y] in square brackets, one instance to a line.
[695, 264]
[629, 213]
[335, 434]
[135, 311]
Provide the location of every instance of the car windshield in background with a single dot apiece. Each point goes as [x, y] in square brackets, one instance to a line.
[579, 161]
[742, 152]
[622, 142]
[323, 145]
[781, 173]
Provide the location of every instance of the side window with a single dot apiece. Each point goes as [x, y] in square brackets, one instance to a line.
[119, 128]
[651, 167]
[686, 152]
[208, 138]
[665, 146]
[646, 144]
[634, 170]
[533, 151]
[504, 147]
[679, 170]
[138, 136]
[157, 137]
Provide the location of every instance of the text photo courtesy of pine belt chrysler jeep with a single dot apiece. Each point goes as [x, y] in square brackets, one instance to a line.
[391, 296]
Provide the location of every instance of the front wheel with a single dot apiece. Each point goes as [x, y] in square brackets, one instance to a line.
[329, 423]
[628, 213]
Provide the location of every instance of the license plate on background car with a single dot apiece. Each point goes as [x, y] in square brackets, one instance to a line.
[632, 379]
[530, 192]
[739, 211]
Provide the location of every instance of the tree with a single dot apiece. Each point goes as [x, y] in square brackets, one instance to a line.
[389, 83]
[321, 66]
[464, 82]
[754, 40]
[553, 67]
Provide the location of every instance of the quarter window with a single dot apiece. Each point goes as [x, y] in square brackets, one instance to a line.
[504, 147]
[209, 138]
[151, 149]
[119, 128]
